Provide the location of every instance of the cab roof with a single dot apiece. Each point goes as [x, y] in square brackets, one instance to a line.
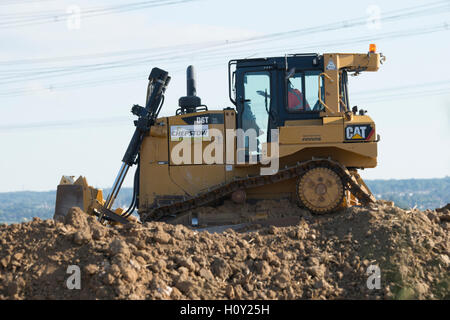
[303, 61]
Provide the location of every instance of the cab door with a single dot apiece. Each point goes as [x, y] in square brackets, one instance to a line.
[254, 100]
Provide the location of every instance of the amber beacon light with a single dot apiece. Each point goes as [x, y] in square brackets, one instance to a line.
[372, 48]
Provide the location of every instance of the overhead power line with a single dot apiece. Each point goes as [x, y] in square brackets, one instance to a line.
[390, 16]
[21, 2]
[100, 55]
[434, 88]
[30, 19]
[176, 62]
[9, 75]
[378, 95]
[210, 53]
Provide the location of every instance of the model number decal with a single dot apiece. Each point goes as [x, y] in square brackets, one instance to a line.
[359, 132]
[206, 118]
[311, 138]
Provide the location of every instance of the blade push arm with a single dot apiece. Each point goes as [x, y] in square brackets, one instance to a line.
[158, 81]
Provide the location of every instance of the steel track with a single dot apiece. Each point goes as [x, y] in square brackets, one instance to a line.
[220, 191]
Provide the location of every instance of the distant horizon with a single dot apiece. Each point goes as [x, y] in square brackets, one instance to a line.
[130, 187]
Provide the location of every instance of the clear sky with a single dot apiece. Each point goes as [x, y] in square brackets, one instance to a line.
[67, 84]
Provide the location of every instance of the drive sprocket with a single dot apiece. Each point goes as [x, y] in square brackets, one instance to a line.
[320, 190]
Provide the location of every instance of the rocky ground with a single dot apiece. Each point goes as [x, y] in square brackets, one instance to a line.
[321, 257]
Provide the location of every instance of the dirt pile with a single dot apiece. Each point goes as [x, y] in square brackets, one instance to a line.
[322, 257]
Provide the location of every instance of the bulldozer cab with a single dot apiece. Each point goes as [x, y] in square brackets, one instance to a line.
[297, 90]
[267, 92]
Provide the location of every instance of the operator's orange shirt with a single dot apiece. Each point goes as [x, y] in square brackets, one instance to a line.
[296, 100]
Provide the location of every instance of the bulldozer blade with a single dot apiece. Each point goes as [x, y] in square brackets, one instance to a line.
[76, 193]
[68, 196]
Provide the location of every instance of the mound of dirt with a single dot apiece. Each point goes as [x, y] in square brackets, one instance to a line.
[333, 256]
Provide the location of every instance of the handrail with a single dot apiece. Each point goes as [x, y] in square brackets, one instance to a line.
[342, 101]
[320, 99]
[230, 80]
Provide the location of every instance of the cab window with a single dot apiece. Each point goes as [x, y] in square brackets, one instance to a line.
[302, 92]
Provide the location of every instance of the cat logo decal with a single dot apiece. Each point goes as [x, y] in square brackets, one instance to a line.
[359, 132]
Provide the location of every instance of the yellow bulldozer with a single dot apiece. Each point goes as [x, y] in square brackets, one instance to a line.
[290, 134]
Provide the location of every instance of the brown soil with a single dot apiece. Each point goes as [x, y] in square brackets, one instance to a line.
[322, 257]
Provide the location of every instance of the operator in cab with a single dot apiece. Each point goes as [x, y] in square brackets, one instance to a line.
[296, 100]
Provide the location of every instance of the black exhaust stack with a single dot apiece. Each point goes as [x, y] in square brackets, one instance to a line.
[190, 103]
